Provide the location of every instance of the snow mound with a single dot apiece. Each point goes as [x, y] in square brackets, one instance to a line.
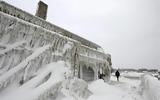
[100, 87]
[131, 75]
[122, 90]
[44, 85]
[151, 87]
[75, 88]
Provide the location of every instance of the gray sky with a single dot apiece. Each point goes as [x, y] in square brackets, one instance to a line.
[127, 29]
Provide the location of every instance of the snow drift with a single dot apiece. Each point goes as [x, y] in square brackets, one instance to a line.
[75, 88]
[44, 85]
[150, 87]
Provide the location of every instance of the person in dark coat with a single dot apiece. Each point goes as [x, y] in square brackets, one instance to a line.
[117, 74]
[101, 76]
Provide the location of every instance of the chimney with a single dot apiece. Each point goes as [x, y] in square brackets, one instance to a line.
[42, 10]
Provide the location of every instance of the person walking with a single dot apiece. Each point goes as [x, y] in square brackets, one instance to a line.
[117, 74]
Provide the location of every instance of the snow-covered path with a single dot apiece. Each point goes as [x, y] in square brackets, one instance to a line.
[126, 89]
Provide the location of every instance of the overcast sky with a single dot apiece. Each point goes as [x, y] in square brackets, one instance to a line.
[127, 29]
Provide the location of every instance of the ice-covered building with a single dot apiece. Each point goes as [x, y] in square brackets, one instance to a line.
[28, 42]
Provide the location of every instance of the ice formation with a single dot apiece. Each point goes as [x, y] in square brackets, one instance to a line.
[28, 44]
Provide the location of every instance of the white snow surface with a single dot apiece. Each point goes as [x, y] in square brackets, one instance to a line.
[34, 88]
[74, 89]
[115, 90]
[132, 75]
[146, 88]
[151, 87]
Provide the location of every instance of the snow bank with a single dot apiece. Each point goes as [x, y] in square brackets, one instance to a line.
[132, 75]
[38, 89]
[58, 71]
[104, 91]
[75, 88]
[150, 87]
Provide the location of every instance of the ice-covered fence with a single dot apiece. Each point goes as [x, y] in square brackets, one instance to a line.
[151, 87]
[9, 9]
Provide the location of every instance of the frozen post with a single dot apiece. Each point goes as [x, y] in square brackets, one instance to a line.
[42, 10]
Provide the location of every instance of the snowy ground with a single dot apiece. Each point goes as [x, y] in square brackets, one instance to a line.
[37, 88]
[126, 89]
[145, 88]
